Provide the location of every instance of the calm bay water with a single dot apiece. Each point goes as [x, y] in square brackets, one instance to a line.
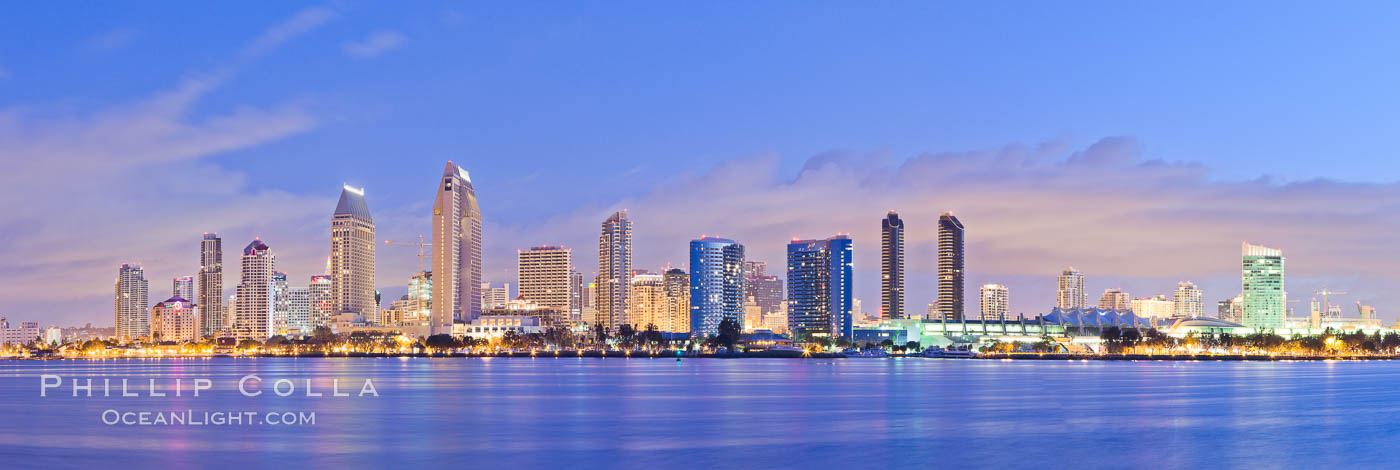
[749, 413]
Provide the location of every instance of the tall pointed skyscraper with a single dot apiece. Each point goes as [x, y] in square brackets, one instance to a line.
[456, 251]
[614, 270]
[352, 256]
[210, 303]
[951, 269]
[891, 266]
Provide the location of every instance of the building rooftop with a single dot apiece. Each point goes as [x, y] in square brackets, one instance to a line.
[352, 203]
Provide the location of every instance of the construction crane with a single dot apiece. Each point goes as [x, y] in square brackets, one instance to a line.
[1324, 293]
[420, 244]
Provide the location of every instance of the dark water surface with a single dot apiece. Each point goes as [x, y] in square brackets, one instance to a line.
[714, 413]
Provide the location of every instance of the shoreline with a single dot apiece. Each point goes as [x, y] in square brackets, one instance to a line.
[670, 354]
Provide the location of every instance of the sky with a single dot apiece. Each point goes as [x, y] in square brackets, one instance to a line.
[1140, 142]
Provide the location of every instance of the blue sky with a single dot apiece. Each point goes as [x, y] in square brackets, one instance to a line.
[246, 120]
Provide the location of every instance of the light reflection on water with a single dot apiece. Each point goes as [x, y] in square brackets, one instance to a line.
[656, 413]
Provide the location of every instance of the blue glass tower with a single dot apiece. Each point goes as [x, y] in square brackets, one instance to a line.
[819, 287]
[716, 284]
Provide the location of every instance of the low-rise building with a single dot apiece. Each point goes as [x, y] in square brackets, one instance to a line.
[19, 334]
[495, 326]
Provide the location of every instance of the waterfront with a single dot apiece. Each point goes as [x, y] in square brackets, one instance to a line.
[757, 413]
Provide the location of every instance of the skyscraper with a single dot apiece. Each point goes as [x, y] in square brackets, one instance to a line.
[1262, 286]
[767, 292]
[543, 273]
[1070, 293]
[950, 267]
[281, 303]
[183, 287]
[716, 284]
[419, 309]
[996, 302]
[253, 314]
[614, 270]
[677, 301]
[647, 302]
[892, 266]
[319, 294]
[1187, 301]
[456, 251]
[299, 310]
[575, 296]
[210, 303]
[1115, 299]
[819, 287]
[132, 299]
[352, 257]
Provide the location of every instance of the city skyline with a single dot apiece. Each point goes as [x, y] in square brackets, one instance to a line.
[1168, 205]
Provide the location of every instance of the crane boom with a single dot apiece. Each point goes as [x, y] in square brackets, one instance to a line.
[420, 244]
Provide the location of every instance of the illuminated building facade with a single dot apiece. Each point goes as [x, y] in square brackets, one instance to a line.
[132, 297]
[456, 251]
[1261, 284]
[716, 284]
[819, 285]
[614, 271]
[951, 266]
[892, 266]
[352, 256]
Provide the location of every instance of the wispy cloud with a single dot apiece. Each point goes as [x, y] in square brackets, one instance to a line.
[74, 180]
[1030, 211]
[374, 45]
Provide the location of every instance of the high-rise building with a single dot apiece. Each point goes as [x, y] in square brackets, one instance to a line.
[1262, 286]
[950, 267]
[418, 311]
[647, 302]
[752, 270]
[614, 270]
[456, 251]
[1231, 309]
[575, 297]
[1115, 299]
[892, 266]
[254, 311]
[819, 283]
[1154, 307]
[352, 256]
[543, 276]
[132, 299]
[766, 292]
[996, 302]
[183, 287]
[174, 320]
[299, 310]
[1188, 301]
[211, 285]
[319, 293]
[281, 303]
[1071, 292]
[677, 301]
[716, 284]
